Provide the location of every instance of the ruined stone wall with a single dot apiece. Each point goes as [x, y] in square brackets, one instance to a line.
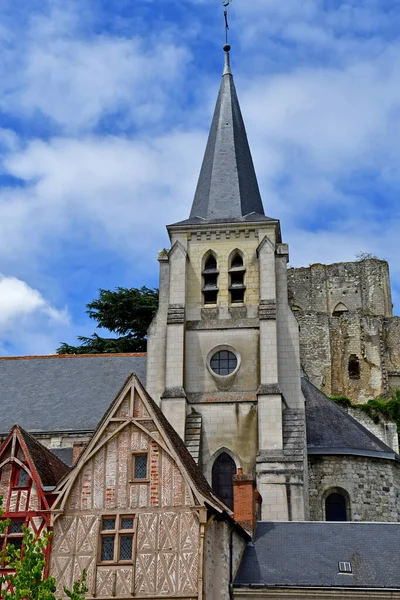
[362, 285]
[373, 486]
[344, 313]
[384, 429]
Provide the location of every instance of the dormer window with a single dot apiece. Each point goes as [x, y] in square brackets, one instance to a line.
[20, 477]
[237, 272]
[210, 280]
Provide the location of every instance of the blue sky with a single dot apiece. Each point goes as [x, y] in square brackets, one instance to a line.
[104, 113]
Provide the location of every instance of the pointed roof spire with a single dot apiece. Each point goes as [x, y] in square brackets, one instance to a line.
[227, 187]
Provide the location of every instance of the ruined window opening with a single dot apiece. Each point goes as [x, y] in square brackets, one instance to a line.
[335, 507]
[354, 367]
[223, 470]
[116, 539]
[140, 466]
[210, 280]
[237, 273]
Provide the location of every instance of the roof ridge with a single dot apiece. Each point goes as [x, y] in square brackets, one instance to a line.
[48, 356]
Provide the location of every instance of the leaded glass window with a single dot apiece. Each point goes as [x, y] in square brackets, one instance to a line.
[224, 362]
[107, 547]
[13, 535]
[125, 547]
[117, 539]
[140, 466]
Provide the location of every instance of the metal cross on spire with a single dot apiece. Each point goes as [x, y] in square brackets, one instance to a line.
[226, 3]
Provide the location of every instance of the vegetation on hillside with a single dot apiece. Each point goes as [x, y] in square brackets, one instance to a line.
[376, 409]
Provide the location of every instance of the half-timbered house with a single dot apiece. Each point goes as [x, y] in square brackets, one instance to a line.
[29, 473]
[138, 515]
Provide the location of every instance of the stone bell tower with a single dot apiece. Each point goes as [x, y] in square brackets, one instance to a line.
[223, 351]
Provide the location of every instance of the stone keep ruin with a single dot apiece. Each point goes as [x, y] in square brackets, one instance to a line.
[349, 338]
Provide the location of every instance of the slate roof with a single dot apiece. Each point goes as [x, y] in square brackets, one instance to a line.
[62, 393]
[49, 467]
[227, 186]
[64, 454]
[331, 430]
[307, 555]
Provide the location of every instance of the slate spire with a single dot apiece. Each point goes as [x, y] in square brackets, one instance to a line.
[227, 187]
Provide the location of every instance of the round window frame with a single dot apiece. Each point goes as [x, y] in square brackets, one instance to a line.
[222, 348]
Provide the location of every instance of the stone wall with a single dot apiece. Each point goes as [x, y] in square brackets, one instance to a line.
[344, 313]
[372, 484]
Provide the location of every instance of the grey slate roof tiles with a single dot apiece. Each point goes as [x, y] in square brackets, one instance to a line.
[227, 186]
[70, 393]
[307, 555]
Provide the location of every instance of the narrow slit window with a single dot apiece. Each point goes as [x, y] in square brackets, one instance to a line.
[223, 471]
[237, 274]
[210, 280]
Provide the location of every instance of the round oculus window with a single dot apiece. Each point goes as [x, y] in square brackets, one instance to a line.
[223, 362]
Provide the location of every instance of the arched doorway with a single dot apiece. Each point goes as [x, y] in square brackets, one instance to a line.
[223, 471]
[336, 507]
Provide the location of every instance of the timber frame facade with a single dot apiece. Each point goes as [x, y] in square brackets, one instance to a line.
[135, 511]
[28, 477]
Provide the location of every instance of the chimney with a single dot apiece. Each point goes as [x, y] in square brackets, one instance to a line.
[78, 448]
[244, 500]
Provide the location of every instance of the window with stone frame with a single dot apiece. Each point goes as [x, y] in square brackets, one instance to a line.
[116, 539]
[140, 466]
[13, 534]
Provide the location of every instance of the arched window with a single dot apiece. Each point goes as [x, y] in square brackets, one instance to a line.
[336, 507]
[223, 471]
[210, 280]
[354, 367]
[237, 272]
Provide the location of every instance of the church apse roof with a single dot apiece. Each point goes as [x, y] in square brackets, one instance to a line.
[331, 430]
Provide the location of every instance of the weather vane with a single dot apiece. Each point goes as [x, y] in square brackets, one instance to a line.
[226, 3]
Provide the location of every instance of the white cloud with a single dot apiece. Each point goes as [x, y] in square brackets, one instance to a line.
[18, 301]
[53, 70]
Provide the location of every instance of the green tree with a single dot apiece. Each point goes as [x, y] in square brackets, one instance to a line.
[126, 312]
[27, 581]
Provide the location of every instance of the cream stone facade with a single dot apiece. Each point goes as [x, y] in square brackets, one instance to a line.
[241, 412]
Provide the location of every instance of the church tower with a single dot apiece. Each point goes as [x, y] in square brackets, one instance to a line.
[223, 348]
